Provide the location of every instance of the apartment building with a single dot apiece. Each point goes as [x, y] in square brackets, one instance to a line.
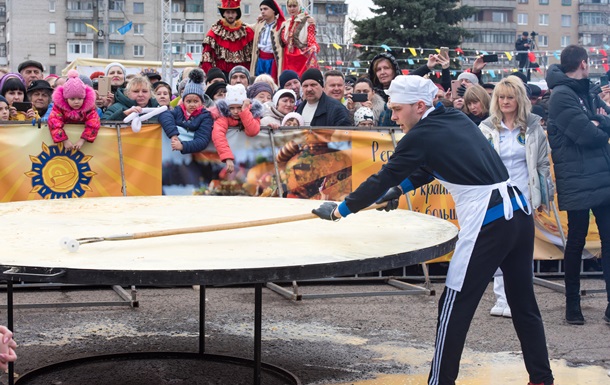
[56, 32]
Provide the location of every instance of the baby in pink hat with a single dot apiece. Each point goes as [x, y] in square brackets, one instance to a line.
[74, 102]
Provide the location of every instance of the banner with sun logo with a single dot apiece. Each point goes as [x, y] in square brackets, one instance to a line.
[33, 167]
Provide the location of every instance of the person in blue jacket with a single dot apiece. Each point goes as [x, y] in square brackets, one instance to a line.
[189, 125]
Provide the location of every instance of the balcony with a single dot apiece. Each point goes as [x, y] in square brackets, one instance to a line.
[490, 47]
[116, 37]
[79, 35]
[490, 26]
[85, 15]
[491, 4]
[584, 7]
[594, 28]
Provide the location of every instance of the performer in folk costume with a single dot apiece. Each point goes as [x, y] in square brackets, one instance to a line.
[298, 35]
[267, 53]
[228, 43]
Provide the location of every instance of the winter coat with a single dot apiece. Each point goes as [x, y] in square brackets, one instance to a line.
[200, 123]
[62, 113]
[271, 115]
[330, 113]
[377, 86]
[378, 106]
[249, 121]
[536, 155]
[580, 149]
[122, 104]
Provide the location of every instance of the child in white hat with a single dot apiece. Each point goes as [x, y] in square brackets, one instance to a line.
[235, 110]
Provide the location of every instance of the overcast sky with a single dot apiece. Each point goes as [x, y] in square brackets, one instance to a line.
[359, 9]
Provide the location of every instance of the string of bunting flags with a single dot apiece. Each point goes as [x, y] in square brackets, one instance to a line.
[598, 58]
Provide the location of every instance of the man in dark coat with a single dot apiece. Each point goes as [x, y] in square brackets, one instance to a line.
[522, 46]
[578, 130]
[319, 109]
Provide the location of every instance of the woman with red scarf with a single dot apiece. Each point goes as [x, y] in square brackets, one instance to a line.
[299, 39]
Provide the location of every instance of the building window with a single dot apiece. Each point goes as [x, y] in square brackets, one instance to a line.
[80, 47]
[284, 9]
[543, 40]
[138, 8]
[543, 19]
[52, 69]
[176, 27]
[523, 1]
[176, 7]
[500, 17]
[566, 20]
[138, 50]
[116, 5]
[52, 49]
[565, 41]
[246, 9]
[489, 37]
[566, 2]
[194, 47]
[522, 19]
[52, 29]
[177, 49]
[79, 5]
[194, 6]
[51, 5]
[115, 49]
[138, 29]
[543, 2]
[590, 18]
[194, 27]
[77, 26]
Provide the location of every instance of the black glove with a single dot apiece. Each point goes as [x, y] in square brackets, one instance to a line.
[325, 211]
[391, 196]
[461, 91]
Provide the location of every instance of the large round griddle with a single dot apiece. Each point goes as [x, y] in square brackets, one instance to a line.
[30, 234]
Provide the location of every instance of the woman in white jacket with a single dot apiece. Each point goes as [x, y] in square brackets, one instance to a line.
[516, 134]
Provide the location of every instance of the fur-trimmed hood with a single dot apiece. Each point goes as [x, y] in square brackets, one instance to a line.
[373, 76]
[256, 108]
[88, 103]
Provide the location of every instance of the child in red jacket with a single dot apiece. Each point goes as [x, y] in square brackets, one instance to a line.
[74, 102]
[236, 110]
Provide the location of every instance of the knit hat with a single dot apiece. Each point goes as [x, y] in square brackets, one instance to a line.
[215, 73]
[293, 115]
[30, 63]
[363, 113]
[257, 88]
[114, 64]
[85, 79]
[195, 84]
[12, 75]
[278, 11]
[472, 78]
[3, 99]
[281, 93]
[313, 74]
[74, 87]
[236, 94]
[239, 69]
[214, 88]
[286, 76]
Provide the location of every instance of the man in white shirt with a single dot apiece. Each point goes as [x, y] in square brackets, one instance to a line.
[318, 109]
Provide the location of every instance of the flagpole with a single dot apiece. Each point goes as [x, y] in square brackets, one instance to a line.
[106, 30]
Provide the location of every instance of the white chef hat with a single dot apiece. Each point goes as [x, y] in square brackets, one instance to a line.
[409, 89]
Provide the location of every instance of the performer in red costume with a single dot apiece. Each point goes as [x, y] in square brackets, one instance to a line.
[298, 35]
[228, 43]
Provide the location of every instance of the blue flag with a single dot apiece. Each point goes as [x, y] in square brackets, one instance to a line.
[124, 29]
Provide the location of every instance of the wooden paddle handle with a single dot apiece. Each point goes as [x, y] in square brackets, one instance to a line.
[232, 226]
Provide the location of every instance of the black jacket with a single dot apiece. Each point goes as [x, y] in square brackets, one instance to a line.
[579, 148]
[330, 113]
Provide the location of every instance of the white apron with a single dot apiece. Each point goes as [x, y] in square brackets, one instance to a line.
[471, 205]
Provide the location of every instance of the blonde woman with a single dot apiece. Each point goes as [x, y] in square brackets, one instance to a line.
[517, 136]
[298, 34]
[137, 95]
[476, 103]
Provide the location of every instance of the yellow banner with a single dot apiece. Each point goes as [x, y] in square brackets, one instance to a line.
[33, 167]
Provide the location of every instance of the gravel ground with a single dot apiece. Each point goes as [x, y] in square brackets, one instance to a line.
[322, 341]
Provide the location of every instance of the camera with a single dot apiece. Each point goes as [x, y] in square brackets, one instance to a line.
[533, 34]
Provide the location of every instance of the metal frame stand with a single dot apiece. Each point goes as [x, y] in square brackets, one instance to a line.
[127, 298]
[256, 363]
[404, 288]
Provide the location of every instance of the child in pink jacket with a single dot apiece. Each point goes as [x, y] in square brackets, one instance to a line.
[236, 110]
[74, 102]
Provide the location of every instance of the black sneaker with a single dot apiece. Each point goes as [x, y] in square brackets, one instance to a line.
[573, 313]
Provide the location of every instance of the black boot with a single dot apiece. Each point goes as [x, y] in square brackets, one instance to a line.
[573, 313]
[607, 314]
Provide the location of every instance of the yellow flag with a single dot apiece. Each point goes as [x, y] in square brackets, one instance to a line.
[412, 50]
[337, 46]
[437, 50]
[92, 27]
[508, 55]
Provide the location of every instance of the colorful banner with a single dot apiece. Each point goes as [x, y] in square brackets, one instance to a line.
[33, 167]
